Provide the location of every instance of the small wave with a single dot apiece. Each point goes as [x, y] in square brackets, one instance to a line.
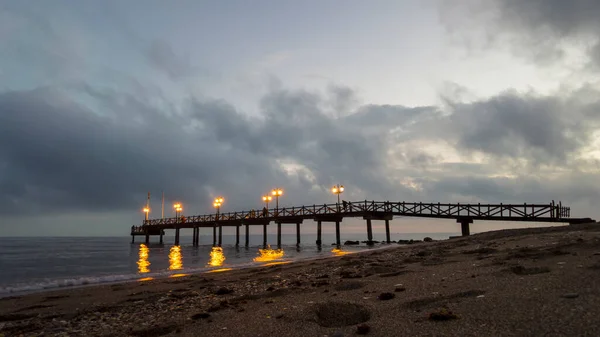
[55, 284]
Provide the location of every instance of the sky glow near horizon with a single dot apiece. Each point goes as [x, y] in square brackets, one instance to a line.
[470, 101]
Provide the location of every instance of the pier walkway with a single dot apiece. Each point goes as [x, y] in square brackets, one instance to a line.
[464, 214]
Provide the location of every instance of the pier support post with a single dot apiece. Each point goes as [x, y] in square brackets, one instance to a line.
[265, 235]
[247, 235]
[132, 239]
[147, 238]
[197, 236]
[220, 236]
[214, 235]
[387, 231]
[297, 233]
[337, 233]
[319, 233]
[369, 232]
[465, 225]
[161, 237]
[176, 236]
[279, 235]
[237, 235]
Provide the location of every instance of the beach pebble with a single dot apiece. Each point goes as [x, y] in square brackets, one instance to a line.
[337, 334]
[223, 291]
[386, 296]
[363, 329]
[201, 315]
[399, 289]
[570, 295]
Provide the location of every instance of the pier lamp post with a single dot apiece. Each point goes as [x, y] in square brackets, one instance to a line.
[266, 199]
[338, 189]
[277, 193]
[178, 209]
[217, 204]
[146, 210]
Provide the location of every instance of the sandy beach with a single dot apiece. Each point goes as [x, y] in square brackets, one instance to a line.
[527, 282]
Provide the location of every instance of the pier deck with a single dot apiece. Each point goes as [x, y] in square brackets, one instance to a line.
[464, 214]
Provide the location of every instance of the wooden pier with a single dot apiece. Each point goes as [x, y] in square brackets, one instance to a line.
[465, 214]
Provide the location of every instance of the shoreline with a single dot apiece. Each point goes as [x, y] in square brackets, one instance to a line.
[165, 274]
[505, 283]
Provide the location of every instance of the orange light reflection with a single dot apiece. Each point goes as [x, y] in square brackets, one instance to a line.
[143, 262]
[268, 254]
[216, 257]
[175, 261]
[146, 279]
[178, 275]
[220, 270]
[276, 263]
[339, 252]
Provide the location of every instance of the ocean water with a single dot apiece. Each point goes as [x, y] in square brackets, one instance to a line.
[44, 263]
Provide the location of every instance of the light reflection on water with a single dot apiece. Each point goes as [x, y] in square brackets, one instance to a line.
[216, 257]
[268, 254]
[143, 262]
[339, 252]
[175, 260]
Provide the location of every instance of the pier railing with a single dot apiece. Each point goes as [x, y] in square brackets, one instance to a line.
[512, 212]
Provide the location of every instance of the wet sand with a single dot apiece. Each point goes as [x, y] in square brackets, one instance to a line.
[529, 282]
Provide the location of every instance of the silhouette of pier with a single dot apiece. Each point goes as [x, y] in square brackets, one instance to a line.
[465, 214]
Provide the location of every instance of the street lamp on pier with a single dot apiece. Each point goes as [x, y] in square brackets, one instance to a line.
[338, 189]
[146, 210]
[217, 204]
[266, 199]
[178, 208]
[277, 192]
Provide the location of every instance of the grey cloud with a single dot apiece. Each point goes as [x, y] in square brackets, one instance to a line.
[535, 28]
[545, 129]
[161, 55]
[57, 155]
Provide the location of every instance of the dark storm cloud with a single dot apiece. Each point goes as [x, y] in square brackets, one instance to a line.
[543, 128]
[58, 154]
[533, 27]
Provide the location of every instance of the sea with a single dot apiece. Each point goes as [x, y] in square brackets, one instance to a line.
[34, 264]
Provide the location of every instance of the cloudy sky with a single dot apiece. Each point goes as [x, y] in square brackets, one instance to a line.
[465, 101]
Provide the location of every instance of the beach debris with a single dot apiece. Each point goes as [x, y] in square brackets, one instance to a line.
[427, 239]
[443, 314]
[337, 314]
[279, 315]
[200, 315]
[386, 296]
[399, 289]
[223, 291]
[363, 329]
[520, 270]
[337, 334]
[570, 295]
